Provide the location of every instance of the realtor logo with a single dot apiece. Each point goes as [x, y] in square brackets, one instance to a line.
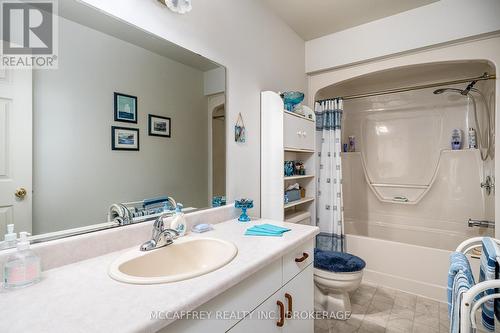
[28, 34]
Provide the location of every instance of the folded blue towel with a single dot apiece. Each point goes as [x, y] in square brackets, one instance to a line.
[262, 233]
[460, 279]
[489, 271]
[266, 230]
[271, 228]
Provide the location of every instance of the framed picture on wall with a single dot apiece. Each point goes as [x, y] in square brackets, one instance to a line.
[123, 138]
[159, 126]
[125, 108]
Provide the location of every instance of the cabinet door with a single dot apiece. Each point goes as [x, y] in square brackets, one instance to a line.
[298, 132]
[299, 295]
[263, 319]
[292, 132]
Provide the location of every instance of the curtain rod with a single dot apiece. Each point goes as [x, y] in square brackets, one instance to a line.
[483, 77]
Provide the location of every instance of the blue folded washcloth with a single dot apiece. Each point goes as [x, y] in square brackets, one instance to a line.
[266, 230]
[460, 279]
[271, 228]
[261, 233]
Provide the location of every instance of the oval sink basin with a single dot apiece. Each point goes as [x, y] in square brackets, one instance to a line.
[186, 258]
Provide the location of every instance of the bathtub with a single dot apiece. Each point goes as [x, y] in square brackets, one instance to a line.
[416, 269]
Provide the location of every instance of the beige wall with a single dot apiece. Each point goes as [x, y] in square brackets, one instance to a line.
[260, 52]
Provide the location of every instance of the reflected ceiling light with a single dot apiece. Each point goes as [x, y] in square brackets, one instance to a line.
[178, 6]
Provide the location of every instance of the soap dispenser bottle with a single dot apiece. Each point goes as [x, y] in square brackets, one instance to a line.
[10, 238]
[179, 222]
[23, 268]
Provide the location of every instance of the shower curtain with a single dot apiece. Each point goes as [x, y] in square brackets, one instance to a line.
[329, 207]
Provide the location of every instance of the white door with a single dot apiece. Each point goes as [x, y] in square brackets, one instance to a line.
[16, 126]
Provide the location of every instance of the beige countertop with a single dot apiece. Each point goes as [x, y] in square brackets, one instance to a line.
[81, 297]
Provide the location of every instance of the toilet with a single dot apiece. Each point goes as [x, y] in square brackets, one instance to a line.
[336, 274]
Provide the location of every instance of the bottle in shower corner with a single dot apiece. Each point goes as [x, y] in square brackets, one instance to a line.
[472, 138]
[352, 144]
[456, 139]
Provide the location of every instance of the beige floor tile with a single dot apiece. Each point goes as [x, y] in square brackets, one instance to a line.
[423, 329]
[346, 326]
[368, 327]
[323, 323]
[401, 324]
[387, 292]
[402, 313]
[377, 314]
[427, 306]
[427, 320]
[361, 299]
[406, 300]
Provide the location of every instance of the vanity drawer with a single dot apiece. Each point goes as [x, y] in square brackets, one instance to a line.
[298, 132]
[297, 259]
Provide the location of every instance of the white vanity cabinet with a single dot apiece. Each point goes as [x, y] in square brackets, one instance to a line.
[288, 280]
[274, 314]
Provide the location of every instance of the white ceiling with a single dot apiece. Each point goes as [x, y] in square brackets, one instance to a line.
[316, 18]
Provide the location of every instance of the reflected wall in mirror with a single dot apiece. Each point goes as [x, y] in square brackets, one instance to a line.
[58, 144]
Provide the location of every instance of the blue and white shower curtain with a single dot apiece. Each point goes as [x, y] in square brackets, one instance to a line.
[329, 206]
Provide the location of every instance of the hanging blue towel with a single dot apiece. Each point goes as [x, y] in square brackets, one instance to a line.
[460, 279]
[489, 271]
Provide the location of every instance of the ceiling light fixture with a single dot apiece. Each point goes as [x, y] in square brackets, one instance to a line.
[178, 6]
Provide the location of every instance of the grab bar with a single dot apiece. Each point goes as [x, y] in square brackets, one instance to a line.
[481, 223]
[400, 199]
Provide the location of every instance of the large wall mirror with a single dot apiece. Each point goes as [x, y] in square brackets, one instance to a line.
[127, 118]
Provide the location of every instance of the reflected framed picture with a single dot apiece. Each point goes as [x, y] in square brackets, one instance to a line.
[159, 126]
[123, 138]
[125, 108]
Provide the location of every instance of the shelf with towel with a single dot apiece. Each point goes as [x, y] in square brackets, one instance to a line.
[298, 202]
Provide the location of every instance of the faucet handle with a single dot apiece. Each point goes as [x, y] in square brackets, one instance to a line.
[172, 234]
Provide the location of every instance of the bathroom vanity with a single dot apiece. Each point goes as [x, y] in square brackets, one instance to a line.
[268, 277]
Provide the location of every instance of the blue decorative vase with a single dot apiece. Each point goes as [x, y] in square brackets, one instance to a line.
[289, 168]
[244, 204]
[292, 98]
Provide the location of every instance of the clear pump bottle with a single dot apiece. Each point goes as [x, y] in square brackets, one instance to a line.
[22, 268]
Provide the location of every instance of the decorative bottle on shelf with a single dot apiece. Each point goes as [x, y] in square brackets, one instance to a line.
[456, 139]
[472, 138]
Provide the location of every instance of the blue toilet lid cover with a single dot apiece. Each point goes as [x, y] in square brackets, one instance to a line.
[338, 262]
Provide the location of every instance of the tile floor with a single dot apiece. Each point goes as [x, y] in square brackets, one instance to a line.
[379, 309]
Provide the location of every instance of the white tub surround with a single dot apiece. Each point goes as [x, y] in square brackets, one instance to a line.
[81, 297]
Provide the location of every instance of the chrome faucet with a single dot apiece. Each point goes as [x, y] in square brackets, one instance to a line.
[161, 236]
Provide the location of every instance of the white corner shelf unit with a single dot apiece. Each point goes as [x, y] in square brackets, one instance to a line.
[286, 136]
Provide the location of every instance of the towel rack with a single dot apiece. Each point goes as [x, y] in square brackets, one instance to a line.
[468, 306]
